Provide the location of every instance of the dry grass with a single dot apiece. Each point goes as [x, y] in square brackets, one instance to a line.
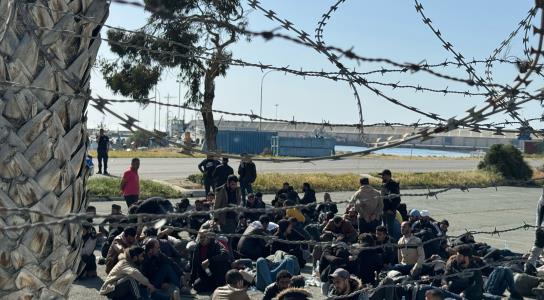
[324, 182]
[150, 153]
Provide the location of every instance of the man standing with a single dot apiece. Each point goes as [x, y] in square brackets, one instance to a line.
[410, 253]
[130, 184]
[368, 203]
[222, 172]
[391, 201]
[207, 167]
[248, 174]
[228, 195]
[102, 151]
[537, 249]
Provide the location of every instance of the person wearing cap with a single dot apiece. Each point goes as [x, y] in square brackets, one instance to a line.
[209, 262]
[414, 215]
[207, 167]
[254, 203]
[369, 204]
[391, 201]
[341, 229]
[248, 174]
[222, 173]
[344, 284]
[427, 230]
[411, 255]
[469, 284]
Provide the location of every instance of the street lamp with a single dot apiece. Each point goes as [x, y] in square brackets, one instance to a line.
[261, 107]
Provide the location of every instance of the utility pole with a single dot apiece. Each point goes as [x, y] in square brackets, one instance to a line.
[155, 114]
[276, 105]
[168, 97]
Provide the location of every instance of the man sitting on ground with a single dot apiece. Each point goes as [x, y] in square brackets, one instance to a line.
[410, 253]
[210, 261]
[344, 284]
[469, 284]
[283, 281]
[162, 271]
[254, 248]
[233, 290]
[341, 229]
[125, 281]
[119, 244]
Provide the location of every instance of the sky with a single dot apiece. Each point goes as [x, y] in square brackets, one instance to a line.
[387, 29]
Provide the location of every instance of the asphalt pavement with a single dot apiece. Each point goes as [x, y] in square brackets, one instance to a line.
[175, 168]
[477, 209]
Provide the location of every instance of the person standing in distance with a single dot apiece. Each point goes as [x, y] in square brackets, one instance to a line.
[222, 172]
[102, 151]
[130, 184]
[248, 175]
[207, 167]
[391, 201]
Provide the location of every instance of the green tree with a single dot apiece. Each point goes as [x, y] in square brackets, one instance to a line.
[507, 161]
[192, 37]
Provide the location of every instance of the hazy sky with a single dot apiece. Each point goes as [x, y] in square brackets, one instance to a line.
[386, 28]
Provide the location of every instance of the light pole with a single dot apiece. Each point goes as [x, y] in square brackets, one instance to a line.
[179, 100]
[159, 101]
[261, 106]
[276, 105]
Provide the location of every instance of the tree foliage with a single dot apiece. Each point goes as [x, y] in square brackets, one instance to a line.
[190, 38]
[507, 161]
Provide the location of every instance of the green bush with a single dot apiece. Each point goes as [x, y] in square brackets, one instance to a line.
[507, 161]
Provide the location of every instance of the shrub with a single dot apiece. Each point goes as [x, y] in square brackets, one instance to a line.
[507, 161]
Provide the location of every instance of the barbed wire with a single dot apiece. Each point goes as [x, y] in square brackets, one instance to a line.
[395, 86]
[460, 58]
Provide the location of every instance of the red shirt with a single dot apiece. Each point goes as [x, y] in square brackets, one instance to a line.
[132, 183]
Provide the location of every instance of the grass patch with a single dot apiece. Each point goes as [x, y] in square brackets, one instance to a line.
[109, 187]
[324, 182]
[150, 153]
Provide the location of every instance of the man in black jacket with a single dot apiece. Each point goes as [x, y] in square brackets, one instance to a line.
[222, 172]
[469, 283]
[391, 201]
[308, 198]
[161, 270]
[248, 174]
[210, 262]
[207, 167]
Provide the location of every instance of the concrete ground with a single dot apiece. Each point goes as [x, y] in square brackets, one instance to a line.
[477, 209]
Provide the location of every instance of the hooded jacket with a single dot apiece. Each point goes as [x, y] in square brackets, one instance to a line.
[124, 268]
[354, 285]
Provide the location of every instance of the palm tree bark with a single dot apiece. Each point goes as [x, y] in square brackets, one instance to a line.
[43, 138]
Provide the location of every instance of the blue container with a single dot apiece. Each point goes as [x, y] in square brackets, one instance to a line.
[302, 147]
[238, 142]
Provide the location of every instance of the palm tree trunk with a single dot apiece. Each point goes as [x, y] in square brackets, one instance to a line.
[43, 139]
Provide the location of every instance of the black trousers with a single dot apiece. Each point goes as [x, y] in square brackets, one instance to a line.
[102, 159]
[126, 288]
[131, 199]
[90, 262]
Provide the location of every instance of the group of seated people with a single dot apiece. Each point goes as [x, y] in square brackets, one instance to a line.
[375, 249]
